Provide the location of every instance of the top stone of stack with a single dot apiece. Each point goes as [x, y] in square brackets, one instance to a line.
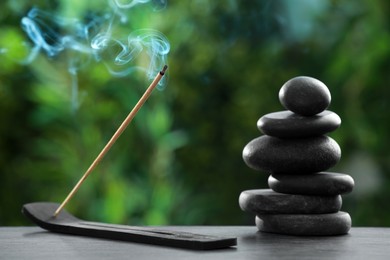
[305, 96]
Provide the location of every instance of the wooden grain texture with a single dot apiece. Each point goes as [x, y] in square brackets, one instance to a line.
[35, 243]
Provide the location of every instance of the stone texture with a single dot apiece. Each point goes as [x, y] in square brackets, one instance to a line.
[267, 201]
[305, 96]
[291, 156]
[322, 183]
[286, 124]
[305, 225]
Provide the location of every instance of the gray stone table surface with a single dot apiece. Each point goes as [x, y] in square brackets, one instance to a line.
[36, 243]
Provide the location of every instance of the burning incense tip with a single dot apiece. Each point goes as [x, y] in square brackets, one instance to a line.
[162, 72]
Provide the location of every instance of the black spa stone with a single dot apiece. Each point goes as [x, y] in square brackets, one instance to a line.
[305, 224]
[305, 96]
[322, 183]
[291, 156]
[267, 201]
[286, 124]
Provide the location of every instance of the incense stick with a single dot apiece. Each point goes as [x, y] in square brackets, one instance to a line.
[113, 139]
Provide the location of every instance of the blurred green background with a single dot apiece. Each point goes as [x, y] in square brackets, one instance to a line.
[180, 161]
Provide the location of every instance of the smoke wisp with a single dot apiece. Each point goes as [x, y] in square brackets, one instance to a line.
[94, 39]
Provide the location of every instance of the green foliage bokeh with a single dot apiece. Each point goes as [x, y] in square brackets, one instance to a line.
[180, 160]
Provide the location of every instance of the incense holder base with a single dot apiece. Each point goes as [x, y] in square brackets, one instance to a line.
[41, 213]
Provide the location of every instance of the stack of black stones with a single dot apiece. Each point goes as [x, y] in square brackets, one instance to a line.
[303, 199]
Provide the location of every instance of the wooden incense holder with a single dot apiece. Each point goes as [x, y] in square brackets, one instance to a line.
[41, 213]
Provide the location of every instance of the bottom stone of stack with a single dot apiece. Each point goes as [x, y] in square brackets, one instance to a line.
[338, 223]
